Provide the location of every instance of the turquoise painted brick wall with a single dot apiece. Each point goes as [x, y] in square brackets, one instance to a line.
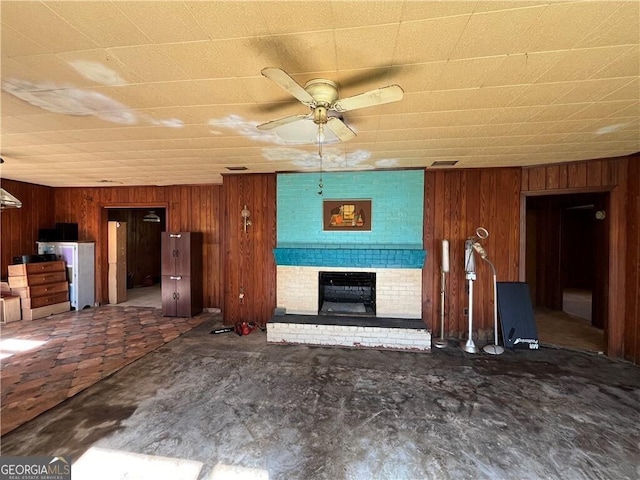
[396, 203]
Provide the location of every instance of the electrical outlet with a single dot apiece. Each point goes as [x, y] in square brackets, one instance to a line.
[465, 312]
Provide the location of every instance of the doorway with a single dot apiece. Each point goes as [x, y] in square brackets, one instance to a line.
[566, 268]
[143, 260]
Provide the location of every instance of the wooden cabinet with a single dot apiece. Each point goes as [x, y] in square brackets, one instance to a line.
[181, 274]
[42, 287]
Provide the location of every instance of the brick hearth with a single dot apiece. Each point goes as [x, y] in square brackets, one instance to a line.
[344, 331]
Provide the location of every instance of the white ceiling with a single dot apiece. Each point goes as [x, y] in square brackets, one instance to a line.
[159, 93]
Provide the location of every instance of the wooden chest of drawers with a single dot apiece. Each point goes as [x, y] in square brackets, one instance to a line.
[43, 288]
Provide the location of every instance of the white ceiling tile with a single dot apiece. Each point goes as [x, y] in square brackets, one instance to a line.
[293, 52]
[139, 87]
[100, 67]
[296, 16]
[630, 91]
[424, 10]
[542, 94]
[46, 71]
[523, 69]
[467, 73]
[557, 112]
[365, 46]
[42, 26]
[148, 63]
[626, 65]
[604, 109]
[373, 12]
[169, 21]
[231, 19]
[620, 28]
[495, 33]
[595, 90]
[562, 25]
[579, 64]
[15, 44]
[428, 40]
[113, 29]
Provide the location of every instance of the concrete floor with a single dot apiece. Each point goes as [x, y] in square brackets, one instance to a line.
[296, 412]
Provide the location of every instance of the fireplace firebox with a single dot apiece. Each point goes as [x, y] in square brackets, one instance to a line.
[347, 293]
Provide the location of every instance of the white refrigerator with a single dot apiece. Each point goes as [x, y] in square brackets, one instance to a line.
[80, 261]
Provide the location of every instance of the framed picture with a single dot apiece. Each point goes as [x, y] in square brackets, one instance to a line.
[346, 215]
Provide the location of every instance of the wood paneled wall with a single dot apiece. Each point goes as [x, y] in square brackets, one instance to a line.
[621, 178]
[20, 226]
[249, 265]
[456, 203]
[632, 273]
[189, 208]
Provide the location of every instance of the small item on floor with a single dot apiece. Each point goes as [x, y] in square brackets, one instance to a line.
[245, 328]
[242, 328]
[223, 330]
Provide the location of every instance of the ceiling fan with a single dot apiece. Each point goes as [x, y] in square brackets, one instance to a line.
[321, 96]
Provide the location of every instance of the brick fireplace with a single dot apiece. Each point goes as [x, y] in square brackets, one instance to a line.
[398, 296]
[387, 261]
[398, 289]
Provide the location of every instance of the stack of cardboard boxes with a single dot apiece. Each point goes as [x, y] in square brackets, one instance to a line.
[9, 305]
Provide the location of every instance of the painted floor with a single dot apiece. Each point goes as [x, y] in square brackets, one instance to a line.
[236, 404]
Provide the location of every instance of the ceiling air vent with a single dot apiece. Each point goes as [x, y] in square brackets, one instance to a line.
[444, 163]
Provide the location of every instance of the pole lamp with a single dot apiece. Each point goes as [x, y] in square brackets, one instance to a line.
[494, 349]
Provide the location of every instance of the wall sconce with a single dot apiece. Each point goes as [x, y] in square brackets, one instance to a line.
[245, 218]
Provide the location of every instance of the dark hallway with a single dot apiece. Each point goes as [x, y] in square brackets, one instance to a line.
[566, 268]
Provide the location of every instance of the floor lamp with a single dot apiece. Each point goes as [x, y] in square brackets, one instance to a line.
[494, 349]
[470, 275]
[442, 342]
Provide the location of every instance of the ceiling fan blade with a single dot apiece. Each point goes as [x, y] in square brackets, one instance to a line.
[283, 79]
[338, 127]
[282, 121]
[389, 94]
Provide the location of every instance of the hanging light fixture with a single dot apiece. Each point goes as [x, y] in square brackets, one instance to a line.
[151, 217]
[6, 199]
[320, 119]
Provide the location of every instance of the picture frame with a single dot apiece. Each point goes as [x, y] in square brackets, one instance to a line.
[346, 215]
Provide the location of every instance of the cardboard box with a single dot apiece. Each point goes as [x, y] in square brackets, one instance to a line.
[117, 242]
[117, 283]
[9, 308]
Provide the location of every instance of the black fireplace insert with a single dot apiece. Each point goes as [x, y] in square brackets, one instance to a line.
[347, 293]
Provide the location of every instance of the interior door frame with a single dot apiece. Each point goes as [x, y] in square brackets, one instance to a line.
[613, 322]
[104, 238]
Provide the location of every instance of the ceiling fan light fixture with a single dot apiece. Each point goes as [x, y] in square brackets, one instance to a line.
[151, 217]
[321, 96]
